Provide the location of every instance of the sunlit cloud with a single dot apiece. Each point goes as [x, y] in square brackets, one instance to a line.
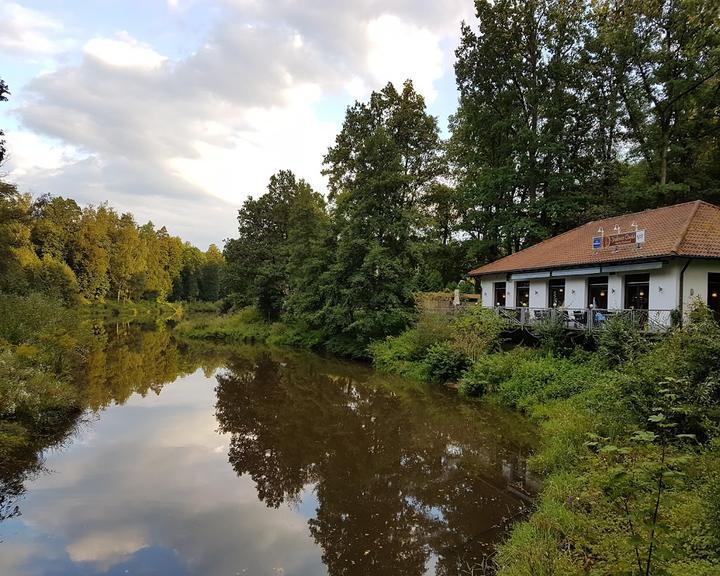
[124, 51]
[183, 138]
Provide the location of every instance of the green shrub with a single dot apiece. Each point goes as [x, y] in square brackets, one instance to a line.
[54, 279]
[444, 363]
[543, 379]
[473, 383]
[489, 371]
[619, 340]
[26, 318]
[553, 335]
[477, 332]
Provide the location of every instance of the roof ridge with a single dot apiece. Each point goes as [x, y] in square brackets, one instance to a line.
[680, 241]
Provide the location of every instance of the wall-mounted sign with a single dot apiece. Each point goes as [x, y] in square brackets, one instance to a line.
[620, 239]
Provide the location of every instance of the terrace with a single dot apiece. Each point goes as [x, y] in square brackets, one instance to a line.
[588, 319]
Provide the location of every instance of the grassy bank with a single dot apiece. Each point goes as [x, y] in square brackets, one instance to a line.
[38, 338]
[244, 326]
[629, 440]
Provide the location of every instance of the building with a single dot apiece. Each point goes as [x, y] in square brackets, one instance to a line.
[649, 264]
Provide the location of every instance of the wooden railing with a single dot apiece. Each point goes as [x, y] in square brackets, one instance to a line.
[588, 318]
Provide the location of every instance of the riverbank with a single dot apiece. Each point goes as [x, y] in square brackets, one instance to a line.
[628, 432]
[629, 443]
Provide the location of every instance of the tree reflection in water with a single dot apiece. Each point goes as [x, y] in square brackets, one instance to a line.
[402, 475]
[113, 362]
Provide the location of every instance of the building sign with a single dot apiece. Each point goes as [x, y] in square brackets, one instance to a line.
[636, 237]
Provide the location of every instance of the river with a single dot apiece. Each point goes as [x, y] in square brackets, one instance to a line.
[199, 460]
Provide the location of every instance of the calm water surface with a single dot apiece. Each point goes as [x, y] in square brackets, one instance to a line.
[258, 462]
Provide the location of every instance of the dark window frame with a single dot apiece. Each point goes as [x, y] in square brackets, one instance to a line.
[596, 282]
[556, 285]
[522, 285]
[637, 292]
[502, 285]
[713, 286]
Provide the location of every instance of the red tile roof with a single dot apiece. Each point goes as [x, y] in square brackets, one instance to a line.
[689, 229]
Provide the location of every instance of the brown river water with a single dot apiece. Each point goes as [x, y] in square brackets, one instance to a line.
[250, 461]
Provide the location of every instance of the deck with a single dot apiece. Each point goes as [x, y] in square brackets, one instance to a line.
[588, 319]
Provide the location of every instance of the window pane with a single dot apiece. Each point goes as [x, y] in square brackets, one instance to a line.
[522, 294]
[597, 292]
[714, 294]
[556, 293]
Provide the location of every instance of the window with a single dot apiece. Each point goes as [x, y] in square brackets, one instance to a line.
[714, 294]
[637, 291]
[556, 293]
[500, 294]
[522, 294]
[598, 292]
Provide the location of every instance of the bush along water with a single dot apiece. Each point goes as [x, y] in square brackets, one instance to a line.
[629, 440]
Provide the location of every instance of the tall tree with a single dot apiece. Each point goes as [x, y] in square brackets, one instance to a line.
[257, 259]
[211, 274]
[124, 256]
[386, 156]
[520, 144]
[666, 58]
[310, 247]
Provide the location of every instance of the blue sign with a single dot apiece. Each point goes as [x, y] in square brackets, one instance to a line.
[597, 242]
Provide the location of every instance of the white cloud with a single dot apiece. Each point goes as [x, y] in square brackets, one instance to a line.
[124, 51]
[183, 140]
[398, 50]
[26, 31]
[30, 153]
[106, 548]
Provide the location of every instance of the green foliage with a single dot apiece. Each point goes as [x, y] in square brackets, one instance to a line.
[473, 383]
[245, 325]
[490, 370]
[477, 332]
[54, 247]
[258, 260]
[620, 340]
[546, 378]
[54, 278]
[553, 335]
[444, 363]
[25, 319]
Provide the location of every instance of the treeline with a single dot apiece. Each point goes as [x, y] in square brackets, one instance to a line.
[569, 110]
[53, 246]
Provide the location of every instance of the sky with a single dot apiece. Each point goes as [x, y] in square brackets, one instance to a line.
[178, 110]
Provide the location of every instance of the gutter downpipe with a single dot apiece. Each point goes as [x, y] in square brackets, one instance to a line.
[682, 290]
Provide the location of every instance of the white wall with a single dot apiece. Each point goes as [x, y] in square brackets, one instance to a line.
[510, 302]
[538, 293]
[576, 292]
[665, 286]
[487, 287]
[616, 292]
[696, 281]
